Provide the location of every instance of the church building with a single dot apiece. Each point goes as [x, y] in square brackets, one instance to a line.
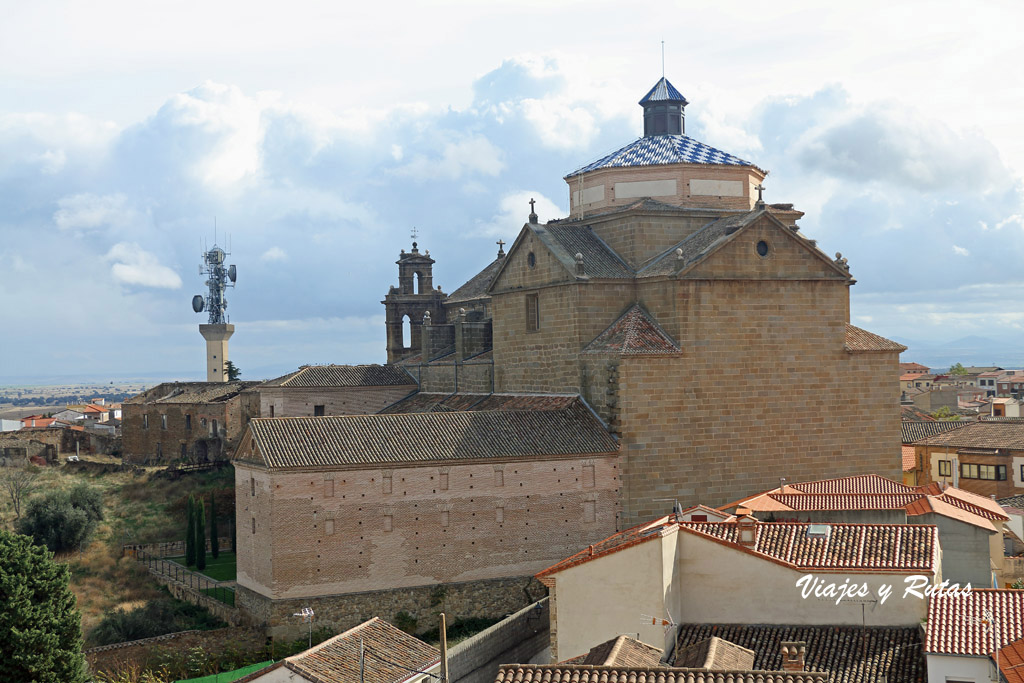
[675, 338]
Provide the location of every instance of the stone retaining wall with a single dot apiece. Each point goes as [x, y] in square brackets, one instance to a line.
[523, 638]
[493, 598]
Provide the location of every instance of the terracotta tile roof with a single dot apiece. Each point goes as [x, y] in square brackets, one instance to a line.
[417, 437]
[1011, 662]
[955, 622]
[634, 333]
[972, 502]
[862, 483]
[344, 376]
[841, 501]
[581, 673]
[848, 654]
[190, 392]
[914, 431]
[907, 367]
[715, 653]
[445, 403]
[854, 547]
[388, 651]
[981, 435]
[934, 504]
[620, 541]
[909, 459]
[623, 651]
[476, 287]
[862, 341]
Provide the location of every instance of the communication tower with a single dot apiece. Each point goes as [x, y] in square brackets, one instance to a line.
[217, 331]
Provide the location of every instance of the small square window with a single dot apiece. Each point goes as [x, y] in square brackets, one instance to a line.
[318, 411]
[945, 468]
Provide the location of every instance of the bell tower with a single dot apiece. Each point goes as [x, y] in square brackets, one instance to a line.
[406, 304]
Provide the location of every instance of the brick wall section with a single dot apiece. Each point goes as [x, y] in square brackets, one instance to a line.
[503, 519]
[492, 598]
[301, 401]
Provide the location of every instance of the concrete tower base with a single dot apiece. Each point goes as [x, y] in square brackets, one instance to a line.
[216, 337]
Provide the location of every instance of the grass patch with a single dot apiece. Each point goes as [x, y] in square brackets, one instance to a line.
[219, 569]
[228, 676]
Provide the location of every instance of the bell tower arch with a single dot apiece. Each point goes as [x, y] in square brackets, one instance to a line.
[414, 296]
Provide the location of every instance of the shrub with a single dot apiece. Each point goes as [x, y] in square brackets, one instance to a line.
[155, 618]
[406, 622]
[62, 520]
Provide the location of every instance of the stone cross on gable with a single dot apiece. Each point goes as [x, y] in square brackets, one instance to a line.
[760, 193]
[501, 247]
[533, 213]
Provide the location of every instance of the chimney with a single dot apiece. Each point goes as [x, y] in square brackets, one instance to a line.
[746, 531]
[793, 654]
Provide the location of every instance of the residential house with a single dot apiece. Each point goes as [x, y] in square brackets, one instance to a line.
[964, 631]
[372, 652]
[986, 458]
[987, 381]
[1005, 407]
[190, 421]
[742, 571]
[914, 430]
[970, 526]
[1010, 383]
[913, 369]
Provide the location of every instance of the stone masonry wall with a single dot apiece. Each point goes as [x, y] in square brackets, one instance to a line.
[353, 530]
[493, 598]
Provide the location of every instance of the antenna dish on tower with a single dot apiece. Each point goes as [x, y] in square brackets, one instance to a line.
[218, 278]
[232, 273]
[198, 303]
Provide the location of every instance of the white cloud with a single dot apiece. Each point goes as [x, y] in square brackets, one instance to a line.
[274, 254]
[88, 211]
[470, 155]
[1017, 219]
[514, 211]
[960, 251]
[560, 123]
[134, 266]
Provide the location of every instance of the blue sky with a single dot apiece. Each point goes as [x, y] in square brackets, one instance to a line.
[317, 136]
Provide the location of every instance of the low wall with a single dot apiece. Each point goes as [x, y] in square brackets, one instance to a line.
[137, 653]
[223, 611]
[521, 638]
[493, 598]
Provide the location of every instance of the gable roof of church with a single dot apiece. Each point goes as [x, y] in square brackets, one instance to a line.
[663, 149]
[371, 440]
[634, 333]
[565, 241]
[476, 287]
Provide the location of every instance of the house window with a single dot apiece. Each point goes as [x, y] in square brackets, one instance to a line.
[532, 313]
[329, 526]
[589, 510]
[698, 518]
[531, 259]
[318, 411]
[1022, 472]
[992, 472]
[945, 468]
[159, 450]
[163, 422]
[145, 421]
[968, 471]
[188, 422]
[213, 428]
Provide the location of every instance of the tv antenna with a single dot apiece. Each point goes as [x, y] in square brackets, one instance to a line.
[218, 278]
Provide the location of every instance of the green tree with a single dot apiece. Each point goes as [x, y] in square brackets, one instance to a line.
[200, 522]
[234, 536]
[190, 532]
[957, 369]
[62, 520]
[214, 544]
[41, 627]
[232, 371]
[945, 413]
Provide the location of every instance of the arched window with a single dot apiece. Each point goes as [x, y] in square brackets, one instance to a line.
[419, 282]
[406, 331]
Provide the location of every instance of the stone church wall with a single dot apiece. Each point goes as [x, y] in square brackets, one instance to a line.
[301, 401]
[640, 237]
[323, 533]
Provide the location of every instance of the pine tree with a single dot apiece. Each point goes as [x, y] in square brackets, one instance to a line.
[200, 535]
[41, 627]
[190, 532]
[214, 542]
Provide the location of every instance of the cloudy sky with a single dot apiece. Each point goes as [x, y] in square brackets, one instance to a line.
[317, 134]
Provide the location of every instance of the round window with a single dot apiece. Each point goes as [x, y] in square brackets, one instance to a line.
[762, 248]
[531, 260]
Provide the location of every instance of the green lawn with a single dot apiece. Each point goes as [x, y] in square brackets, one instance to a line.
[228, 676]
[220, 569]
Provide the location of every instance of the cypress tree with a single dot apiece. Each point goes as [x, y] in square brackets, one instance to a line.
[234, 537]
[200, 535]
[190, 532]
[214, 541]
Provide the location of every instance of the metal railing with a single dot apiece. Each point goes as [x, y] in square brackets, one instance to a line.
[186, 577]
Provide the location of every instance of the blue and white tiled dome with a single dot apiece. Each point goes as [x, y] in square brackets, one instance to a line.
[663, 149]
